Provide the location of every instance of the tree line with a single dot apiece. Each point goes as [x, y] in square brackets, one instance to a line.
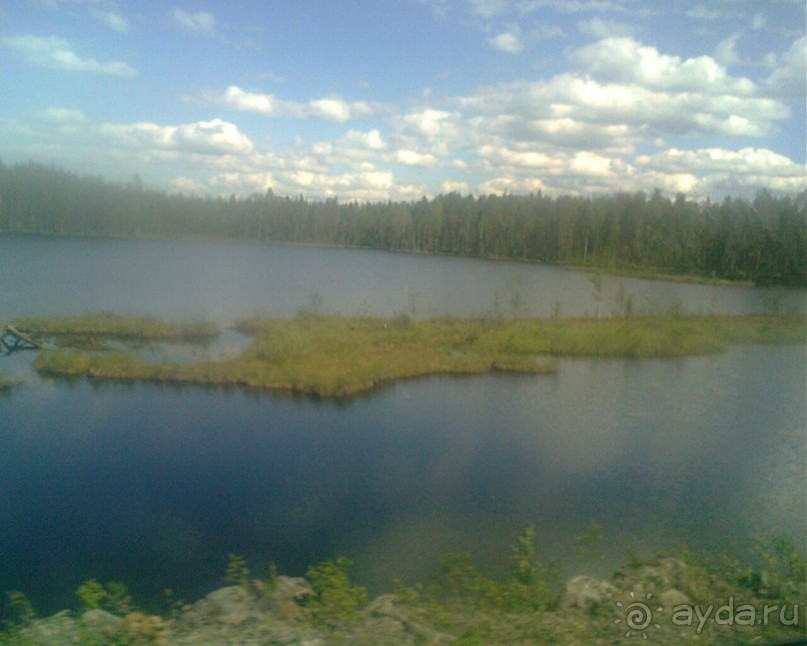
[763, 240]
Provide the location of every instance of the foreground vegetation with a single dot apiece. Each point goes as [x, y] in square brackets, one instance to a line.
[335, 356]
[763, 241]
[711, 599]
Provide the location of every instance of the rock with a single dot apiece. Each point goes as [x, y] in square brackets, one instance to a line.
[287, 588]
[139, 627]
[231, 605]
[654, 576]
[262, 615]
[101, 623]
[386, 621]
[588, 594]
[286, 596]
[673, 597]
[57, 630]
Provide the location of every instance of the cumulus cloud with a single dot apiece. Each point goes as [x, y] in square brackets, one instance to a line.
[759, 161]
[455, 186]
[333, 109]
[555, 109]
[237, 99]
[201, 22]
[56, 53]
[214, 137]
[329, 108]
[371, 140]
[409, 157]
[625, 60]
[355, 150]
[725, 170]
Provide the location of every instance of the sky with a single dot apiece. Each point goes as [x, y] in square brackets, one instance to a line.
[399, 99]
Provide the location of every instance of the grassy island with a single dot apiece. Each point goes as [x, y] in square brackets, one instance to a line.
[334, 356]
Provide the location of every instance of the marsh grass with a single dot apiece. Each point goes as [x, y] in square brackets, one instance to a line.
[115, 326]
[7, 382]
[335, 356]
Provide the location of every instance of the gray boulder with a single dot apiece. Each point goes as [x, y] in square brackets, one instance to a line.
[588, 594]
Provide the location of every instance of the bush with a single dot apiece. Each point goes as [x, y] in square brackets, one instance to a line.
[335, 599]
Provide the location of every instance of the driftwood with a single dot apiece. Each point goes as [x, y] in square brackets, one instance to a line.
[12, 339]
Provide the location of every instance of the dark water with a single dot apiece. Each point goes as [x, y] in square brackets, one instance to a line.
[155, 485]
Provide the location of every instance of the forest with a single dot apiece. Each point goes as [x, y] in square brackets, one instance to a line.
[763, 241]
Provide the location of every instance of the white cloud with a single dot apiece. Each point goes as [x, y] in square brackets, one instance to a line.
[788, 78]
[725, 170]
[214, 137]
[333, 109]
[759, 161]
[508, 42]
[62, 116]
[55, 53]
[431, 124]
[726, 51]
[624, 60]
[112, 20]
[701, 12]
[409, 157]
[488, 8]
[453, 186]
[612, 114]
[329, 108]
[569, 6]
[259, 103]
[201, 22]
[600, 28]
[371, 140]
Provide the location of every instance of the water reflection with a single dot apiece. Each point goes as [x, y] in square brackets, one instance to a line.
[226, 281]
[155, 485]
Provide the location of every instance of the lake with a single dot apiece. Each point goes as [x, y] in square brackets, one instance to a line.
[155, 485]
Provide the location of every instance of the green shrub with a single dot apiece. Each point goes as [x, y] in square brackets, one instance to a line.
[113, 597]
[335, 599]
[238, 572]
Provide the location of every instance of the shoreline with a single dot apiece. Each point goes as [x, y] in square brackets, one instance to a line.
[536, 603]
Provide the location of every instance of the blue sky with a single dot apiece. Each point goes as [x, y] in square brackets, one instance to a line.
[396, 99]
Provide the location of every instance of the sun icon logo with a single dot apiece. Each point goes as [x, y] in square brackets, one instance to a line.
[638, 616]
